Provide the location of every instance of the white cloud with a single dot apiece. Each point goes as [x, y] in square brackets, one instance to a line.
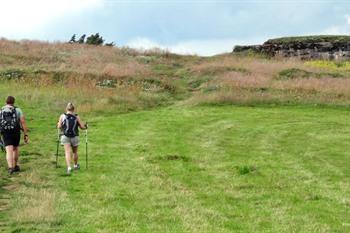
[199, 47]
[336, 30]
[339, 29]
[143, 44]
[347, 19]
[20, 17]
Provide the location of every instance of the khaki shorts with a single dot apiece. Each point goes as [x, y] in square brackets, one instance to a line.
[72, 141]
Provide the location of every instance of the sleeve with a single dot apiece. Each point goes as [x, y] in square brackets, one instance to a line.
[19, 112]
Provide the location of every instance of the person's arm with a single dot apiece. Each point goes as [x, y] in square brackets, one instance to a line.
[59, 123]
[25, 128]
[80, 123]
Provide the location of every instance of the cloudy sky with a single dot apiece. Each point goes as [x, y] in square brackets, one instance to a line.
[188, 27]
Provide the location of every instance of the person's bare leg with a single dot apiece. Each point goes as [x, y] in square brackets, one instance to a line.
[75, 154]
[67, 151]
[10, 157]
[16, 155]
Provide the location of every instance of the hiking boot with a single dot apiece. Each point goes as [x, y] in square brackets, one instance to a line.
[76, 166]
[11, 171]
[69, 170]
[16, 169]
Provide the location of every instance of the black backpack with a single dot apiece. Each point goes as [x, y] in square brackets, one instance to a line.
[9, 121]
[70, 125]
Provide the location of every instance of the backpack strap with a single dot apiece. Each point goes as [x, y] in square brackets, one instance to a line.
[13, 107]
[15, 110]
[2, 109]
[65, 123]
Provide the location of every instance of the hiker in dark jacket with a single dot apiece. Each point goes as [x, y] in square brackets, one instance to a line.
[69, 123]
[11, 122]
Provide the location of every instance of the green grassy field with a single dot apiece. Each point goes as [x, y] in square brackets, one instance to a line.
[188, 169]
[228, 143]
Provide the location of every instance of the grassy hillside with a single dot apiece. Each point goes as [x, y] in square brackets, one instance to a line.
[126, 80]
[178, 143]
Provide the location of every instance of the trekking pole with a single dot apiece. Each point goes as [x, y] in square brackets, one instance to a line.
[86, 145]
[2, 145]
[58, 144]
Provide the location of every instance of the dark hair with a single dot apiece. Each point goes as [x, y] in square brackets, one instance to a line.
[10, 100]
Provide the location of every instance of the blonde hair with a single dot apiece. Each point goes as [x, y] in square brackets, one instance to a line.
[70, 107]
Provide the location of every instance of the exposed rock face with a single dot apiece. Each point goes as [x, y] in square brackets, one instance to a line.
[313, 47]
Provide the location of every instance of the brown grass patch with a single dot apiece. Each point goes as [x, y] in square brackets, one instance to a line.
[35, 205]
[60, 72]
[236, 79]
[66, 57]
[260, 85]
[326, 85]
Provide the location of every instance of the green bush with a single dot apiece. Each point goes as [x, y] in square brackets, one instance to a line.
[245, 169]
[12, 74]
[94, 39]
[294, 73]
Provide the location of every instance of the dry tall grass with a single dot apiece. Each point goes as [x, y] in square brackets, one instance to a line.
[247, 80]
[60, 72]
[54, 73]
[65, 57]
[35, 205]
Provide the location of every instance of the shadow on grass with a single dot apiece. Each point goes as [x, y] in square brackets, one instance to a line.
[64, 174]
[28, 153]
[245, 169]
[169, 158]
[56, 165]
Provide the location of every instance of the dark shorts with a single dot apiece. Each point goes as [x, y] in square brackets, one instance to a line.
[11, 139]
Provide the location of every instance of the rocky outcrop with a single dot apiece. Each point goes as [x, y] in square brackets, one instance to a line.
[310, 47]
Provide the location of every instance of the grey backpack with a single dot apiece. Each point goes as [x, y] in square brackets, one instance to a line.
[70, 125]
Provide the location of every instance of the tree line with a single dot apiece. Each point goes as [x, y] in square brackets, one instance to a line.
[94, 39]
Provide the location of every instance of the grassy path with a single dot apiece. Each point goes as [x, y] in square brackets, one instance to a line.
[199, 169]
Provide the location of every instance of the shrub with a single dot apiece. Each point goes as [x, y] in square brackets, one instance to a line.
[293, 73]
[12, 74]
[94, 39]
[245, 169]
